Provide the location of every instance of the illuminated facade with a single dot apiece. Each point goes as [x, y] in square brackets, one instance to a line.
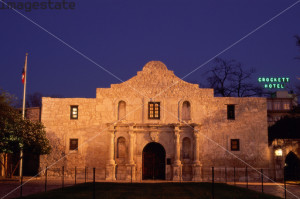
[156, 126]
[284, 138]
[280, 105]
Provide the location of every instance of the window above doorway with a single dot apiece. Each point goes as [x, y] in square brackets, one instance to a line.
[154, 110]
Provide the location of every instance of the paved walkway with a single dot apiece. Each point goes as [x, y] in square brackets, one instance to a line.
[11, 189]
[277, 189]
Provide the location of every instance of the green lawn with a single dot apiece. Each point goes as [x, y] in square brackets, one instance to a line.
[150, 190]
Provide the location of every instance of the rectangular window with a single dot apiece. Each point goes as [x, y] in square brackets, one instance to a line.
[230, 112]
[277, 106]
[269, 103]
[154, 110]
[235, 144]
[74, 144]
[74, 112]
[286, 105]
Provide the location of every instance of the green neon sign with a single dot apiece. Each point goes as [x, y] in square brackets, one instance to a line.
[273, 82]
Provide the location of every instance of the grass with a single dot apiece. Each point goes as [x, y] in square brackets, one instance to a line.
[151, 190]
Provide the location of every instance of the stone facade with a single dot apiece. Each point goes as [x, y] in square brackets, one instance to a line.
[282, 148]
[114, 129]
[33, 113]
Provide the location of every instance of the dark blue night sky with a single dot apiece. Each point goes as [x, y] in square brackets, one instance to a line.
[122, 36]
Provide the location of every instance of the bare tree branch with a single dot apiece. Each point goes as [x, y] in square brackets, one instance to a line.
[297, 43]
[228, 78]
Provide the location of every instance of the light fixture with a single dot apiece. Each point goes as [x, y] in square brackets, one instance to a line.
[278, 152]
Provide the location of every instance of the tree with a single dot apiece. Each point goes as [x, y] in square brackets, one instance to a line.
[297, 86]
[34, 100]
[18, 134]
[297, 43]
[286, 128]
[229, 79]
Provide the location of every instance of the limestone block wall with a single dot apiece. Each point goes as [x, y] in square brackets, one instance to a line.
[155, 83]
[33, 113]
[88, 129]
[249, 126]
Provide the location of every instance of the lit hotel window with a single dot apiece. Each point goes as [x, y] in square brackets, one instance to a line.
[74, 112]
[286, 106]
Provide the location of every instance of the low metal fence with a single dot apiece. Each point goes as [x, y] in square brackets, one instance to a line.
[60, 177]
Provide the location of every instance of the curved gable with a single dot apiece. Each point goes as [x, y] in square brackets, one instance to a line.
[156, 79]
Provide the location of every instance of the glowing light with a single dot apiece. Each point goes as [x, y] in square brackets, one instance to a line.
[273, 82]
[278, 152]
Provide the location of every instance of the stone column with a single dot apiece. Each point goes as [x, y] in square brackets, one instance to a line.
[131, 164]
[177, 163]
[197, 164]
[111, 164]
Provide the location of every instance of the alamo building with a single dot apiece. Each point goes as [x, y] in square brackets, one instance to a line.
[156, 126]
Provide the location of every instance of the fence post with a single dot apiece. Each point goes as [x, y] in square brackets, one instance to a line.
[262, 180]
[94, 183]
[226, 175]
[75, 174]
[11, 170]
[213, 182]
[21, 187]
[234, 175]
[284, 182]
[246, 173]
[63, 177]
[84, 174]
[46, 178]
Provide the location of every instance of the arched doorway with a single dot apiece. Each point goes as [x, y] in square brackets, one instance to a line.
[154, 162]
[292, 167]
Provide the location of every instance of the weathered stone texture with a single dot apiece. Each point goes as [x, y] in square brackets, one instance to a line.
[156, 83]
[33, 113]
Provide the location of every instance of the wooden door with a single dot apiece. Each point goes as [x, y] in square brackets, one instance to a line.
[154, 162]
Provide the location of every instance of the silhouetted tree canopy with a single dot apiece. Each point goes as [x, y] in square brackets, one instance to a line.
[229, 79]
[286, 128]
[34, 100]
